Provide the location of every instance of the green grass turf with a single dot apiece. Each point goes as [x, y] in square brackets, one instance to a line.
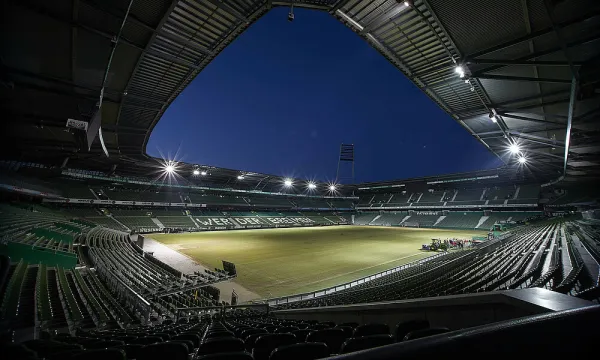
[277, 262]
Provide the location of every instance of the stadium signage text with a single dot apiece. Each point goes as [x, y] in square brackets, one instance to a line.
[214, 221]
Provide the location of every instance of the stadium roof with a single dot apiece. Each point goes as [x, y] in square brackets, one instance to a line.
[521, 62]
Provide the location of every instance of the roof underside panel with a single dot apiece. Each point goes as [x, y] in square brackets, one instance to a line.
[519, 59]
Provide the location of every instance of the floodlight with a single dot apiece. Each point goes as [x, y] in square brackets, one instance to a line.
[311, 185]
[287, 182]
[170, 169]
[407, 3]
[203, 173]
[332, 187]
[494, 119]
[514, 148]
[240, 177]
[522, 160]
[460, 71]
[196, 172]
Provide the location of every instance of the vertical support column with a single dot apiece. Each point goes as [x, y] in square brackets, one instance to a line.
[569, 121]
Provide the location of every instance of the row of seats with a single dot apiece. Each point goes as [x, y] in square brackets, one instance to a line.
[517, 261]
[523, 194]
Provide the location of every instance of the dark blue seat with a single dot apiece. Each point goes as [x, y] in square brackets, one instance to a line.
[365, 342]
[302, 351]
[334, 338]
[162, 351]
[371, 329]
[265, 344]
[403, 328]
[219, 345]
[417, 334]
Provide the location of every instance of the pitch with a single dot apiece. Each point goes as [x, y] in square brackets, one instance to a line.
[277, 262]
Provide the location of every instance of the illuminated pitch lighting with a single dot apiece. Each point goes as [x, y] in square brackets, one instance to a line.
[240, 177]
[460, 71]
[203, 173]
[514, 148]
[312, 185]
[522, 160]
[332, 187]
[170, 169]
[287, 182]
[196, 172]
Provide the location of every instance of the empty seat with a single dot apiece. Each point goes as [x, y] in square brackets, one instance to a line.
[103, 354]
[104, 344]
[303, 351]
[265, 344]
[194, 338]
[163, 336]
[301, 334]
[227, 356]
[417, 334]
[351, 324]
[189, 345]
[403, 328]
[365, 342]
[244, 334]
[286, 329]
[131, 350]
[161, 351]
[334, 338]
[371, 329]
[251, 340]
[146, 340]
[219, 345]
[348, 330]
[217, 334]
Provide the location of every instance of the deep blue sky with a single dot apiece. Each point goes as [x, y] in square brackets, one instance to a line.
[282, 98]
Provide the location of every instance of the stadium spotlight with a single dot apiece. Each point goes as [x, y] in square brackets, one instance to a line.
[514, 148]
[203, 173]
[287, 182]
[312, 185]
[332, 187]
[493, 115]
[240, 177]
[407, 3]
[522, 160]
[196, 172]
[170, 168]
[460, 71]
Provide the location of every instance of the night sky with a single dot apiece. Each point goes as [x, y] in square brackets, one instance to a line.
[282, 98]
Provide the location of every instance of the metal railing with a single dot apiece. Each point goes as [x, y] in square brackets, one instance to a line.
[347, 285]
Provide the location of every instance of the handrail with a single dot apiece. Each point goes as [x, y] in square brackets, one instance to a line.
[347, 285]
[353, 283]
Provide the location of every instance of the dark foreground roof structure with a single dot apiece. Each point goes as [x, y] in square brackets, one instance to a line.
[506, 70]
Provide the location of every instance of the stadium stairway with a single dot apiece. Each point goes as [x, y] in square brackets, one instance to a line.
[158, 223]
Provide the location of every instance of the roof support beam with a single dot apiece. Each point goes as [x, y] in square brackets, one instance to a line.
[387, 15]
[501, 105]
[537, 139]
[533, 35]
[524, 118]
[521, 78]
[519, 62]
[221, 5]
[301, 4]
[338, 5]
[136, 21]
[578, 42]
